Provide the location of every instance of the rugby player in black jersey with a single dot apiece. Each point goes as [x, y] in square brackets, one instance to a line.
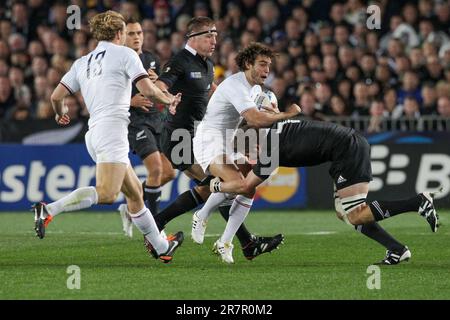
[301, 143]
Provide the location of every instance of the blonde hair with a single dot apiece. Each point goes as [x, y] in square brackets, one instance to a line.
[104, 26]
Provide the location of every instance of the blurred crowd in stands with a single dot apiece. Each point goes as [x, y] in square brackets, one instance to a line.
[329, 61]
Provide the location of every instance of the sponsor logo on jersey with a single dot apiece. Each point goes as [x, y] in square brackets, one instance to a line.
[196, 75]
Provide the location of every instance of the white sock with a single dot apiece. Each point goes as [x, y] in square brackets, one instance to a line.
[213, 202]
[78, 199]
[145, 222]
[238, 212]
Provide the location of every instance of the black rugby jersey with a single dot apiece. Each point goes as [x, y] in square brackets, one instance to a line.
[137, 115]
[303, 143]
[192, 76]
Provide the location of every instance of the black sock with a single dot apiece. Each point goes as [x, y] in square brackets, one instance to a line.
[243, 235]
[152, 197]
[386, 209]
[185, 202]
[374, 231]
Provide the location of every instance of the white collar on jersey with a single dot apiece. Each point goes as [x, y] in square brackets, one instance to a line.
[190, 49]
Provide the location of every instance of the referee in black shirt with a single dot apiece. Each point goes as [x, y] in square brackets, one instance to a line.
[191, 72]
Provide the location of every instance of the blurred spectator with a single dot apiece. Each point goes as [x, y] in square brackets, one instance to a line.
[268, 14]
[7, 100]
[410, 87]
[444, 107]
[162, 19]
[177, 41]
[44, 110]
[323, 93]
[318, 42]
[308, 103]
[19, 113]
[411, 107]
[22, 92]
[19, 18]
[361, 100]
[443, 89]
[433, 69]
[392, 108]
[429, 98]
[377, 114]
[338, 106]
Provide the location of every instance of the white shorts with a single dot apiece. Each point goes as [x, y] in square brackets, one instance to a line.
[208, 145]
[108, 142]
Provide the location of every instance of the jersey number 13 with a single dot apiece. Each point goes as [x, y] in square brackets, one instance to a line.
[94, 68]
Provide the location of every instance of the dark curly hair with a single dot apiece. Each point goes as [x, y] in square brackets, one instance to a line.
[249, 54]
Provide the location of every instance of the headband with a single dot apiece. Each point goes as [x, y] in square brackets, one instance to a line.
[201, 32]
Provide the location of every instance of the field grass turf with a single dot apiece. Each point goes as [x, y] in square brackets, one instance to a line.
[322, 258]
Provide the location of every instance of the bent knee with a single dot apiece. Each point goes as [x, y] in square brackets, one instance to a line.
[107, 197]
[167, 175]
[203, 191]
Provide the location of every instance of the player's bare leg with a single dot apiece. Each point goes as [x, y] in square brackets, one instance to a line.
[358, 212]
[144, 221]
[226, 170]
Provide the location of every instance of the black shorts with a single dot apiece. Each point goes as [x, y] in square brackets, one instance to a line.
[144, 139]
[353, 166]
[182, 162]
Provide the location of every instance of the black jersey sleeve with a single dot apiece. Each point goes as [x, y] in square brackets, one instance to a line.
[172, 72]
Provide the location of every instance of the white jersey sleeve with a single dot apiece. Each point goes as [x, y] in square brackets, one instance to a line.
[133, 66]
[70, 79]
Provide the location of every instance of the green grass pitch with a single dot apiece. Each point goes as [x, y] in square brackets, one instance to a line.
[322, 258]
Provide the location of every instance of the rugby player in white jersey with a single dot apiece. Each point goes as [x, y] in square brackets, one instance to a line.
[213, 146]
[104, 77]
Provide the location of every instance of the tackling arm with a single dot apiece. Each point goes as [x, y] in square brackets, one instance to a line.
[258, 119]
[245, 186]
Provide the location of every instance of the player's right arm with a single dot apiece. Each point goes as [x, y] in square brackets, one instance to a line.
[68, 85]
[57, 100]
[257, 119]
[133, 67]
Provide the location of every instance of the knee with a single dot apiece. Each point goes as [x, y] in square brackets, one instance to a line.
[107, 196]
[203, 191]
[167, 175]
[155, 172]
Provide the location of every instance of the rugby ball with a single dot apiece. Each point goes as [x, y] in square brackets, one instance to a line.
[265, 100]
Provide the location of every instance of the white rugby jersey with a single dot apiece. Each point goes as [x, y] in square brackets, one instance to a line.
[230, 99]
[104, 77]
